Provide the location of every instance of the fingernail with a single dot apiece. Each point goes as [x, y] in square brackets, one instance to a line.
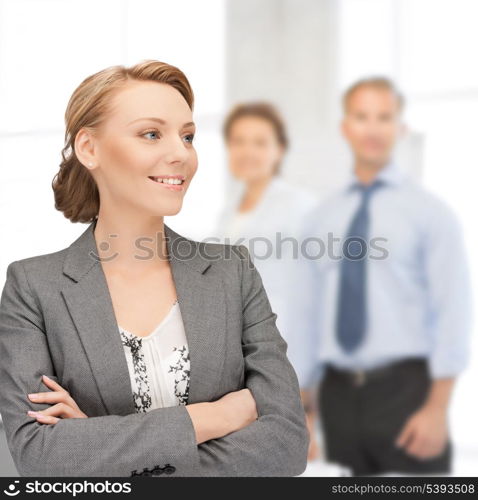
[33, 396]
[47, 377]
[33, 413]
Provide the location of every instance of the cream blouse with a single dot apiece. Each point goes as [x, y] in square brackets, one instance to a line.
[158, 363]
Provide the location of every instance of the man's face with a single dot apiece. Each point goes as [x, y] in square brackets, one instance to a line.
[372, 124]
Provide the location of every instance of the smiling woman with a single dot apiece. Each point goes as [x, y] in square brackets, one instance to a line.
[118, 138]
[196, 380]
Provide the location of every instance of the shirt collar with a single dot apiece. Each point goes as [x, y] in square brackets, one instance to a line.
[390, 174]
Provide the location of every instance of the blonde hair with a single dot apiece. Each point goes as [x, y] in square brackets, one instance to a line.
[75, 191]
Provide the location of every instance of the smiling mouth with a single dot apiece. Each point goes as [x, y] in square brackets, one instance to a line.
[170, 181]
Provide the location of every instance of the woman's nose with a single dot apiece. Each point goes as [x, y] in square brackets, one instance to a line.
[175, 150]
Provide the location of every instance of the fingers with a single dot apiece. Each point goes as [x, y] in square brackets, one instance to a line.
[47, 397]
[405, 435]
[53, 414]
[426, 447]
[52, 384]
[415, 441]
[64, 406]
[60, 410]
[417, 447]
[58, 395]
[54, 398]
[43, 419]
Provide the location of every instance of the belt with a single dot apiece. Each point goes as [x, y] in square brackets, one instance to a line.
[360, 376]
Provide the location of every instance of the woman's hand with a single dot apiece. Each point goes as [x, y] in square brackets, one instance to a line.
[216, 419]
[239, 408]
[65, 406]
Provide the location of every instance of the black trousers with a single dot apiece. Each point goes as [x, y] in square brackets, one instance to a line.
[362, 413]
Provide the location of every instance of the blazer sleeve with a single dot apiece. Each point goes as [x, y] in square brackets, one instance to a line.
[111, 445]
[276, 444]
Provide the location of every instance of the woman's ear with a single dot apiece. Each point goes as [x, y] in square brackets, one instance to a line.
[84, 148]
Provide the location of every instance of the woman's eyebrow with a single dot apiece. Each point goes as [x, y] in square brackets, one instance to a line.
[159, 120]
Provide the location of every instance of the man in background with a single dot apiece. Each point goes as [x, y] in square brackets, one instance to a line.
[387, 328]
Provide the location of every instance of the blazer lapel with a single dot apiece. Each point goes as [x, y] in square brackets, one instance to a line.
[202, 304]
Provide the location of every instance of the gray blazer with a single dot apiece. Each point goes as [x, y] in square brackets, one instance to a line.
[57, 318]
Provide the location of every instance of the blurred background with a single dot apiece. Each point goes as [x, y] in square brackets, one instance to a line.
[298, 54]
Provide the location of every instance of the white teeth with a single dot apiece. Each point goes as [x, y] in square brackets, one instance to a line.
[167, 181]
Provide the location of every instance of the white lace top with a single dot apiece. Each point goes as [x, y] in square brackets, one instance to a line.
[159, 363]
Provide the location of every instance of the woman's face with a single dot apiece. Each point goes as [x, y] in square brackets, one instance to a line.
[147, 135]
[253, 148]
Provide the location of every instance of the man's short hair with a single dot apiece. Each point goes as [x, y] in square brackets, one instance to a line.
[377, 82]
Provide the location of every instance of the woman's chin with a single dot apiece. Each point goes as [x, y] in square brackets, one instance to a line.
[168, 211]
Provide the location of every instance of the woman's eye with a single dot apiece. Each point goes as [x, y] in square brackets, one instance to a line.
[150, 132]
[189, 138]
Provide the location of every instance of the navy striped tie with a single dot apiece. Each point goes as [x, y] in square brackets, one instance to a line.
[352, 306]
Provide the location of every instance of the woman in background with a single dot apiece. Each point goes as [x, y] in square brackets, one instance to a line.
[267, 211]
